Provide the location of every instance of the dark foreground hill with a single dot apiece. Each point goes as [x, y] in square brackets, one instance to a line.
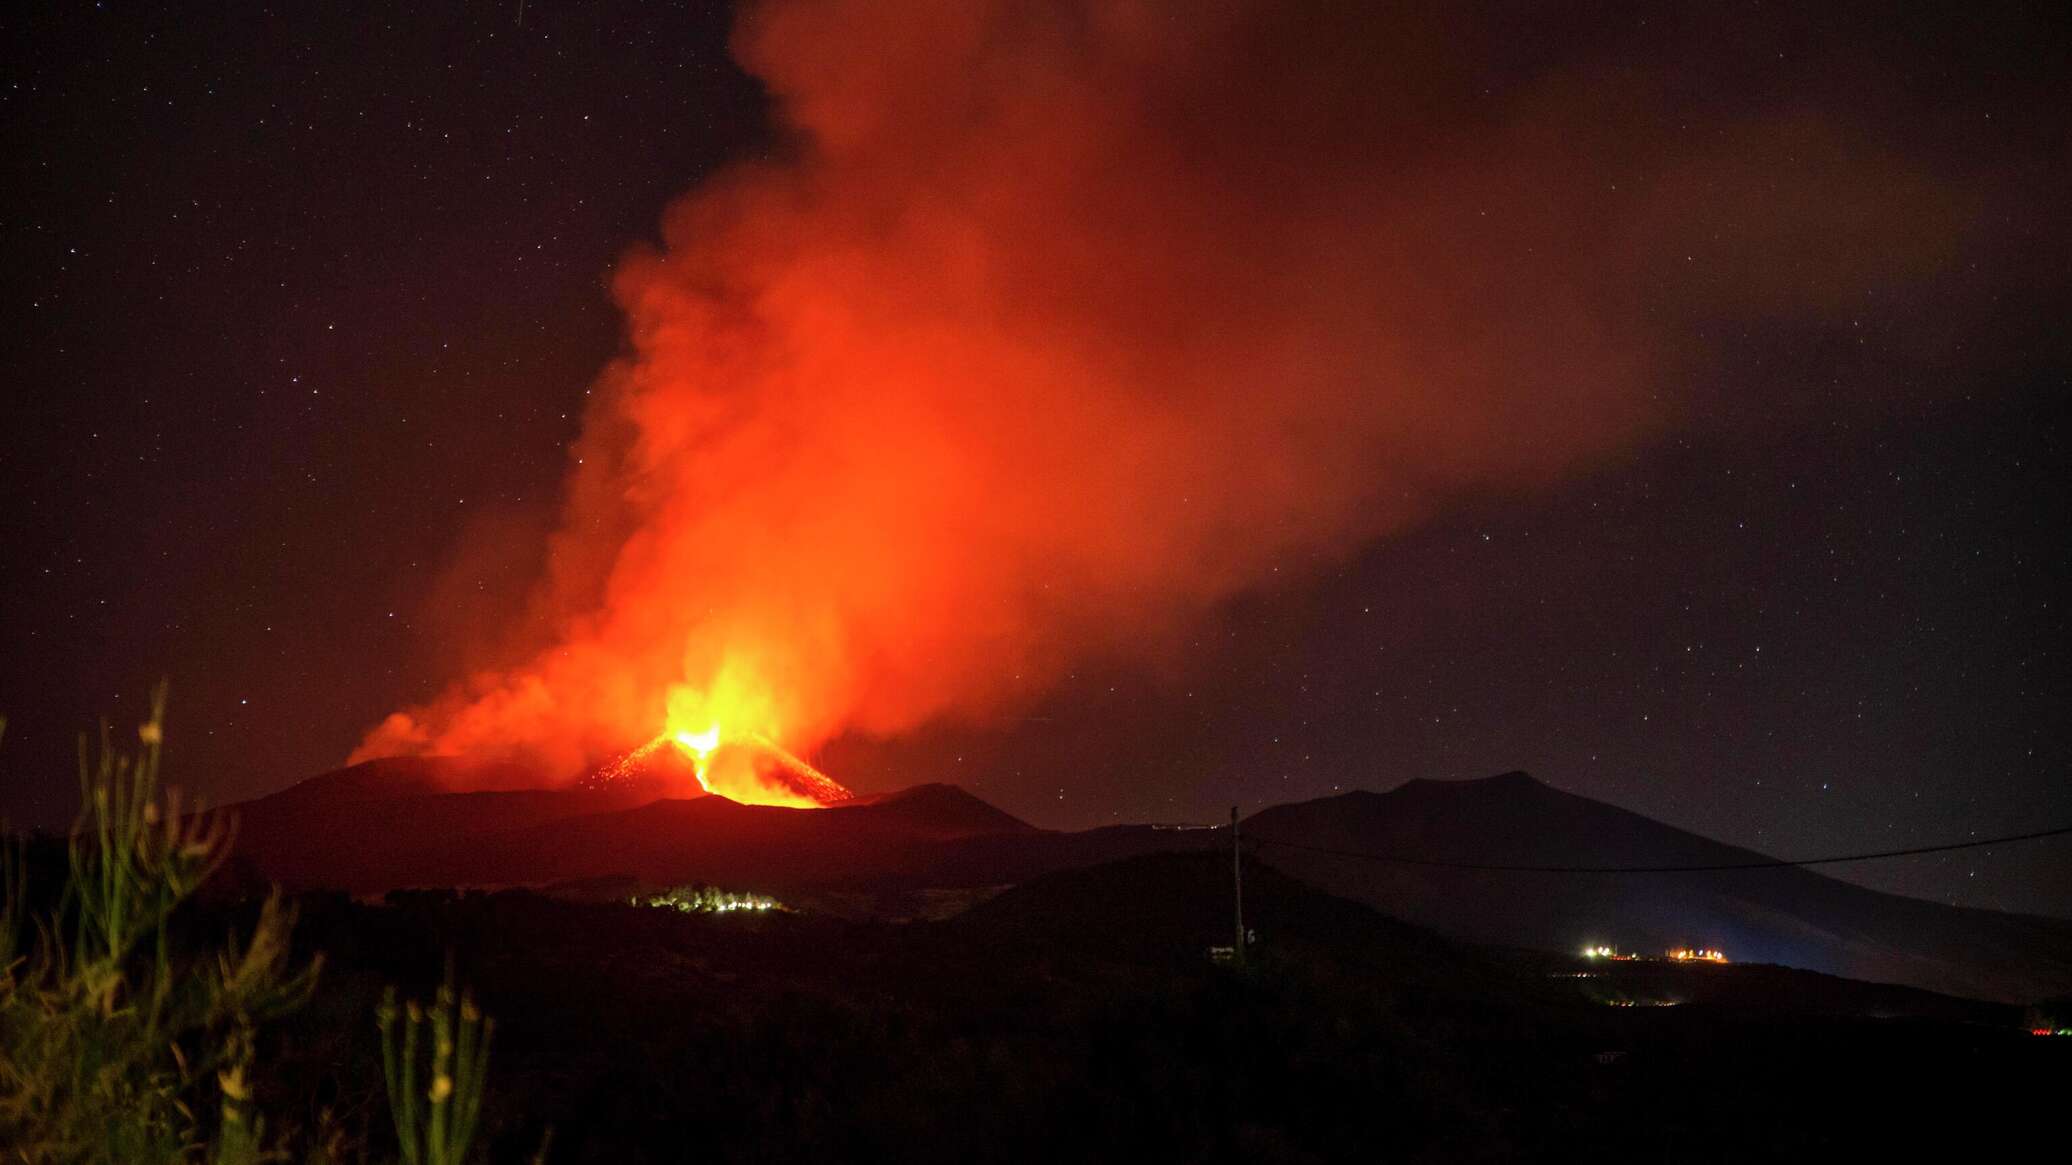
[1174, 907]
[1785, 915]
[1077, 1018]
[386, 825]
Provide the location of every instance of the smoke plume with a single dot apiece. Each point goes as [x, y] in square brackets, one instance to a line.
[1048, 326]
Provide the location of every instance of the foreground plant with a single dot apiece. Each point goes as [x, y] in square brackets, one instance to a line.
[113, 1048]
[435, 1097]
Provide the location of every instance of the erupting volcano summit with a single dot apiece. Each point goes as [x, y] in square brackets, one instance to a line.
[749, 768]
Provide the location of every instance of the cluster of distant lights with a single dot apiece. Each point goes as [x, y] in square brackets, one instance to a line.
[1677, 955]
[707, 900]
[1707, 955]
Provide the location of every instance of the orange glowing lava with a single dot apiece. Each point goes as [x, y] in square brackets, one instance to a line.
[744, 762]
[699, 746]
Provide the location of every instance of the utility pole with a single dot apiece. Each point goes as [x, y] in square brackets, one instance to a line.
[1237, 890]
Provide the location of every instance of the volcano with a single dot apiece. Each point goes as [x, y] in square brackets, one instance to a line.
[391, 823]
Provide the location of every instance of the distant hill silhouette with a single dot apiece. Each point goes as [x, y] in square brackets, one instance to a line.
[1169, 908]
[388, 824]
[1789, 915]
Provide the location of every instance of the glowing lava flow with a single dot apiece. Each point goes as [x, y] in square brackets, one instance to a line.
[755, 770]
[749, 768]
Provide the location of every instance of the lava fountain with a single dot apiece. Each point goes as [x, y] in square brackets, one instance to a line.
[729, 732]
[754, 770]
[730, 746]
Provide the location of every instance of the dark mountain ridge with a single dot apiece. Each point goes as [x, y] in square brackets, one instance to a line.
[386, 825]
[1786, 915]
[391, 823]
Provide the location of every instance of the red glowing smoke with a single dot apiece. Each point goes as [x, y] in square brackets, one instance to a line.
[1053, 325]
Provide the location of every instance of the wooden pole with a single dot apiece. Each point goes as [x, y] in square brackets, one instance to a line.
[1237, 890]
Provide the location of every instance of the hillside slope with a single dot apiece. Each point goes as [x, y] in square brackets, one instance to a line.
[1786, 915]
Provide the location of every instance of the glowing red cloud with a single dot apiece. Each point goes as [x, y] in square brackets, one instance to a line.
[1052, 326]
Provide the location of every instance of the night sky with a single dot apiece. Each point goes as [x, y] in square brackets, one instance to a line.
[304, 305]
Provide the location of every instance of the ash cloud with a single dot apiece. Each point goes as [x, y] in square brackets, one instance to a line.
[1050, 326]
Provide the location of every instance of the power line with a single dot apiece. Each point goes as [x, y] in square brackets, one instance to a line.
[1764, 864]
